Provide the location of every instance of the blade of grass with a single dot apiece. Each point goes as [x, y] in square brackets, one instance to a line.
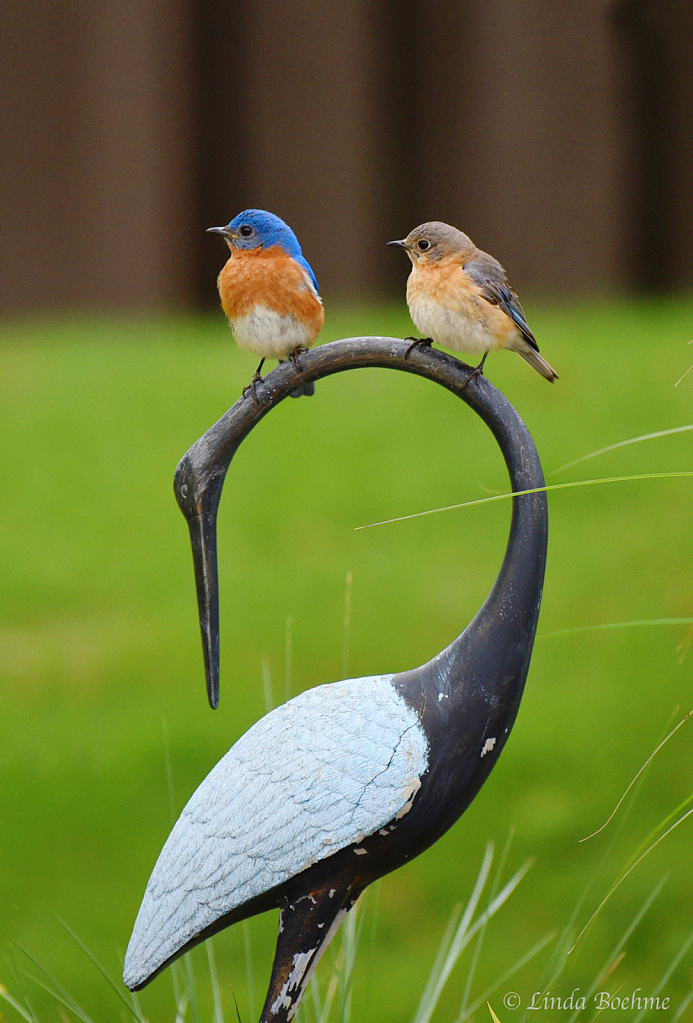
[441, 955]
[102, 971]
[181, 1008]
[522, 961]
[314, 987]
[566, 943]
[644, 766]
[15, 1005]
[493, 1015]
[616, 954]
[332, 987]
[216, 994]
[445, 962]
[138, 1007]
[662, 824]
[181, 999]
[250, 980]
[192, 994]
[534, 490]
[627, 872]
[64, 996]
[465, 933]
[685, 1003]
[684, 375]
[352, 940]
[668, 972]
[622, 444]
[617, 625]
[18, 981]
[64, 999]
[482, 932]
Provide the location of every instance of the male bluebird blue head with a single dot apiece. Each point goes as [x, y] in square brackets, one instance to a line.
[459, 296]
[268, 290]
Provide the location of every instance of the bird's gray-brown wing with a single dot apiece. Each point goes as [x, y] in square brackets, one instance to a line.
[322, 771]
[490, 276]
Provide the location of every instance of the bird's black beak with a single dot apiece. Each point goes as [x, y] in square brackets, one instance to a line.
[220, 230]
[401, 244]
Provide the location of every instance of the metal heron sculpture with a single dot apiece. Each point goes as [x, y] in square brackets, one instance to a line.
[350, 780]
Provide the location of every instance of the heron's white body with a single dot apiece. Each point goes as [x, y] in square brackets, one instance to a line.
[326, 769]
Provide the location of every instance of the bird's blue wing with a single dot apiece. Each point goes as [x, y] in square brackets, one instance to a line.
[323, 771]
[490, 276]
[302, 261]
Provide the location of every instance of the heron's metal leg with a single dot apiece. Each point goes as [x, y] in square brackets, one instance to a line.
[306, 927]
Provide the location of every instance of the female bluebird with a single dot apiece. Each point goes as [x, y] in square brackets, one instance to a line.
[459, 296]
[268, 290]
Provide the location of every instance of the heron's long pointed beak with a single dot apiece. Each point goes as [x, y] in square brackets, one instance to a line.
[199, 505]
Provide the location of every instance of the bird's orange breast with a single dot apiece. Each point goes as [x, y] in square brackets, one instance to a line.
[270, 278]
[446, 283]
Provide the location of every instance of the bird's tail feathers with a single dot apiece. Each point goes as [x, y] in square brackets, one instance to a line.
[539, 363]
[307, 389]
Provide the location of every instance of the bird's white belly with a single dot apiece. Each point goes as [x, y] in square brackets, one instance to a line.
[267, 333]
[453, 329]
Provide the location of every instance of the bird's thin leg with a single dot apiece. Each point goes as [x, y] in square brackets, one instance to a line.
[418, 342]
[293, 357]
[257, 379]
[306, 388]
[306, 927]
[477, 372]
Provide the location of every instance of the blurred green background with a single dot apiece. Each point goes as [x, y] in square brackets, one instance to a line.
[102, 692]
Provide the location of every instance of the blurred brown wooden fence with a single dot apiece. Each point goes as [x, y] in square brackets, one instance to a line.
[557, 133]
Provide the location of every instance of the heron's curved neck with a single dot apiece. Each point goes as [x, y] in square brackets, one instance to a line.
[495, 648]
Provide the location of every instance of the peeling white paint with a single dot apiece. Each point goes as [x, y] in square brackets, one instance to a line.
[384, 832]
[360, 852]
[316, 959]
[412, 787]
[488, 746]
[284, 999]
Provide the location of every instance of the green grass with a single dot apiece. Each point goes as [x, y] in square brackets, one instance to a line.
[101, 670]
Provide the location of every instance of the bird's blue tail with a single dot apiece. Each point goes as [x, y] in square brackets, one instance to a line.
[307, 389]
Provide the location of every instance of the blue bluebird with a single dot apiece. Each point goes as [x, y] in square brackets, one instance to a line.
[268, 290]
[459, 296]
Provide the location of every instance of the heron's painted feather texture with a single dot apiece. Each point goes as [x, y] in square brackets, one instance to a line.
[324, 770]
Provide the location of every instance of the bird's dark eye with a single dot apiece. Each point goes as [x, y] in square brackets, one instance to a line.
[423, 245]
[246, 231]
